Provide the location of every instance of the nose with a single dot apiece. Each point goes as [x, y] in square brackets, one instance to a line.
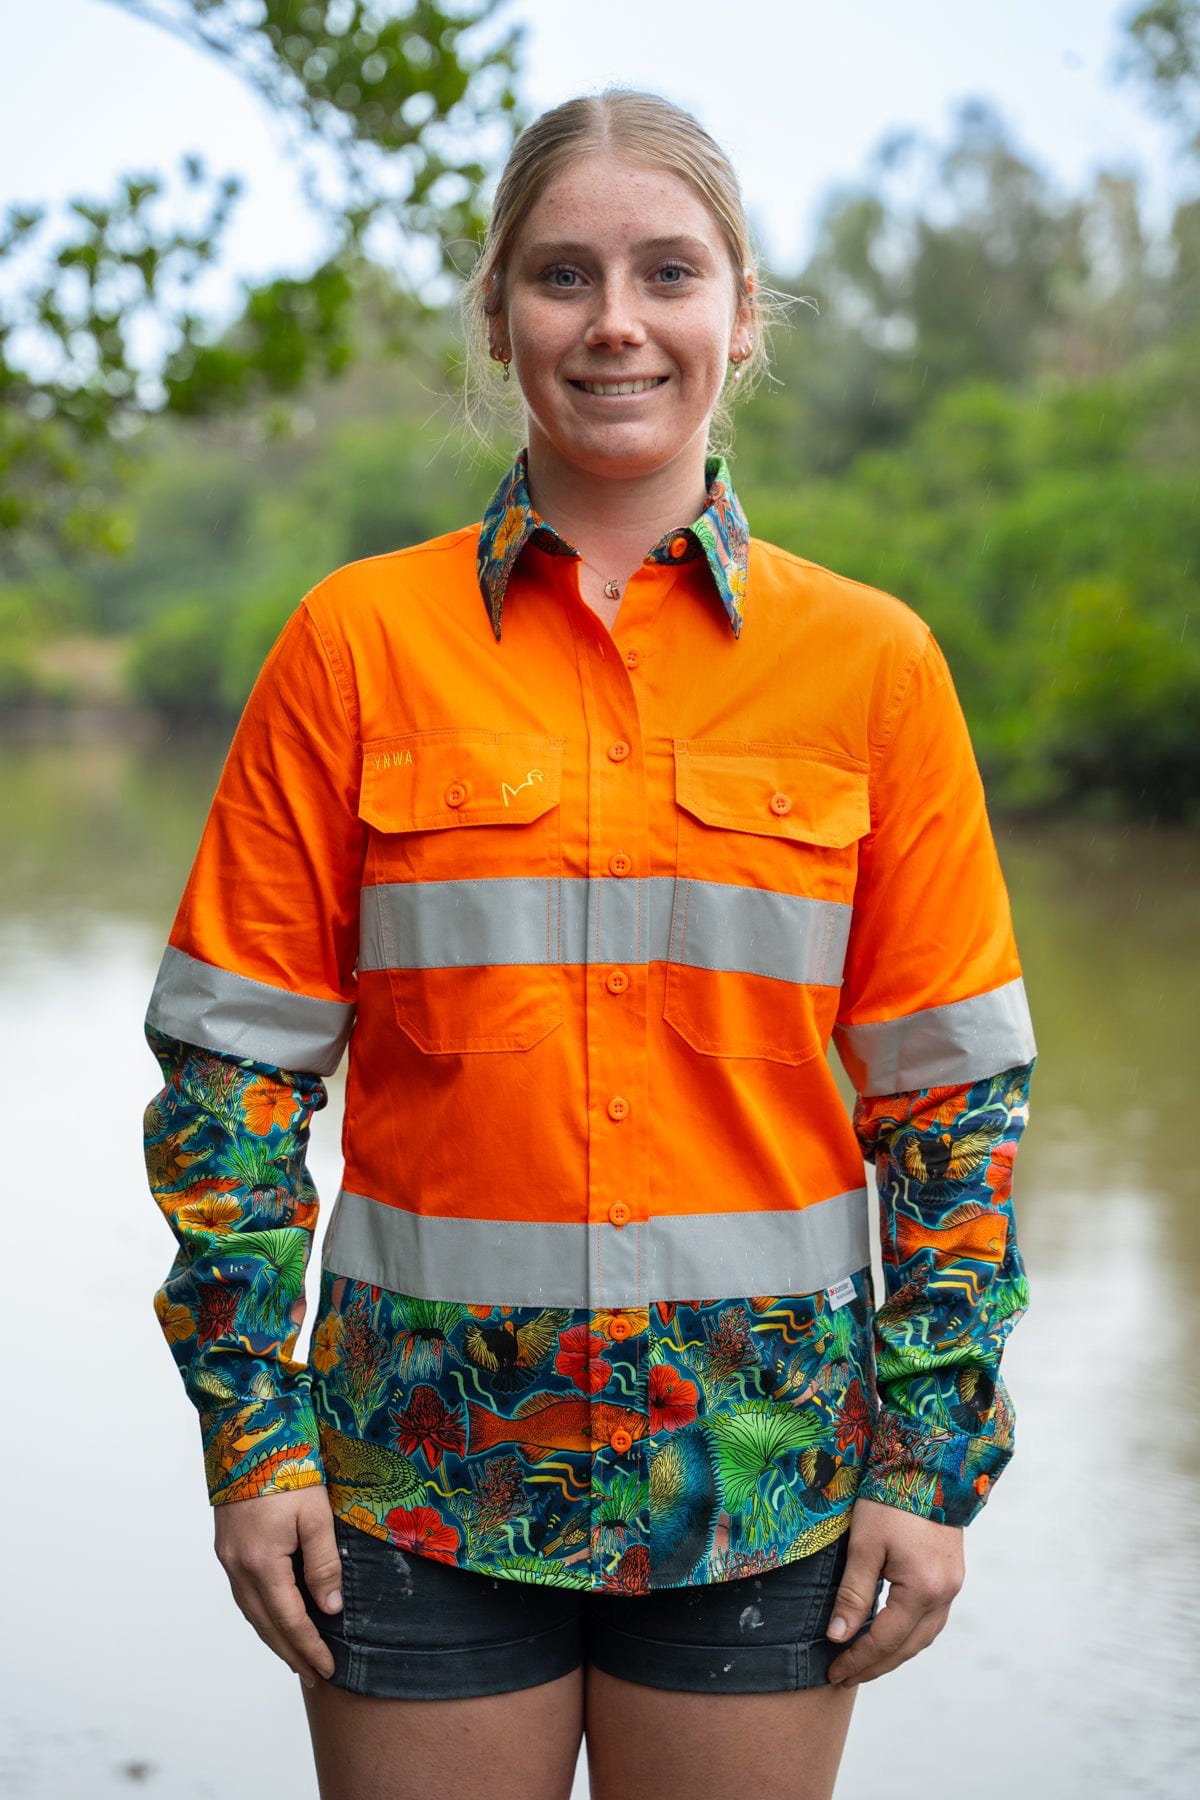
[616, 318]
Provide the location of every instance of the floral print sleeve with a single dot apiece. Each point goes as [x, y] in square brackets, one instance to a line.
[955, 1288]
[225, 1155]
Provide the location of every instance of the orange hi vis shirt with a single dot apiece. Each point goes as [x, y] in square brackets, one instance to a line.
[590, 907]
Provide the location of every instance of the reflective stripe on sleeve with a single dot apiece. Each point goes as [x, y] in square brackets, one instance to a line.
[525, 919]
[201, 1004]
[506, 1262]
[941, 1046]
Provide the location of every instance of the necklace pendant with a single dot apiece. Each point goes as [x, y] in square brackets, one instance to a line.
[612, 590]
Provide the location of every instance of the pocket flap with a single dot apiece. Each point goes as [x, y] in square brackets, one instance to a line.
[775, 792]
[428, 780]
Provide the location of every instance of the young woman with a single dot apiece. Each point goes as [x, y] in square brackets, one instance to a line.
[596, 822]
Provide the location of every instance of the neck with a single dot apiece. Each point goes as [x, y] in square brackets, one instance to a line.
[615, 522]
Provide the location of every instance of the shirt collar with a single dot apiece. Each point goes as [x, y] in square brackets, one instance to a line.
[720, 535]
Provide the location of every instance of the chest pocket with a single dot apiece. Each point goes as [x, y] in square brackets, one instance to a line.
[766, 862]
[462, 899]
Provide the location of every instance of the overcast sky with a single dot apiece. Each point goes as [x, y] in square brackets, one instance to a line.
[799, 91]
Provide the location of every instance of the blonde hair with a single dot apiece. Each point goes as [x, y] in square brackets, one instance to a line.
[645, 129]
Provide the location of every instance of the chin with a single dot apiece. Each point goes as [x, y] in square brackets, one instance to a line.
[630, 456]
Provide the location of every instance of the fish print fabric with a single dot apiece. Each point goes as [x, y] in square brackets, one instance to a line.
[682, 1443]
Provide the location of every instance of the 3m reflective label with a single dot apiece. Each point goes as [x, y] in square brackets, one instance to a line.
[508, 1262]
[941, 1046]
[201, 1004]
[519, 919]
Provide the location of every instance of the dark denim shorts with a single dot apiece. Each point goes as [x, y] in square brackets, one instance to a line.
[413, 1628]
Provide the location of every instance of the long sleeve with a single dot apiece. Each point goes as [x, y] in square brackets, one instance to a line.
[225, 1157]
[955, 1288]
[257, 982]
[934, 1031]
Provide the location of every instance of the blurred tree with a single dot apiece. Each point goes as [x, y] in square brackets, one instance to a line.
[1163, 53]
[393, 112]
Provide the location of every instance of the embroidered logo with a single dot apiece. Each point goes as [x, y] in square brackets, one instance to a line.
[391, 759]
[509, 794]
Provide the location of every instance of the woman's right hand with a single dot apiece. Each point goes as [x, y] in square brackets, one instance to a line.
[255, 1543]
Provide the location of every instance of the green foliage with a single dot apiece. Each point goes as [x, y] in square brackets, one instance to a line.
[1163, 53]
[177, 661]
[394, 114]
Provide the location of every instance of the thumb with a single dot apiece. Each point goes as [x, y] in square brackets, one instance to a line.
[856, 1594]
[322, 1563]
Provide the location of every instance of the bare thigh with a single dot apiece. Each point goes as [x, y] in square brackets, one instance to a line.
[648, 1743]
[521, 1746]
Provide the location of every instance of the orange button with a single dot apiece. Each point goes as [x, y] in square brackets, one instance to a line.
[456, 793]
[618, 1108]
[618, 1213]
[619, 751]
[619, 864]
[632, 658]
[679, 546]
[781, 803]
[620, 1440]
[617, 981]
[619, 1328]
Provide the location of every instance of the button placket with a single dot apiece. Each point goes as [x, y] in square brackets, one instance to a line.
[618, 1177]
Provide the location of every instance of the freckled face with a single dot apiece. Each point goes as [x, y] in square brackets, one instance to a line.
[621, 310]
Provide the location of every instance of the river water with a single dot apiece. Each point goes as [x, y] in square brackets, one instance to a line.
[1069, 1668]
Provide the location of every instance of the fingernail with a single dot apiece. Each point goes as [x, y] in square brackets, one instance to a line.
[333, 1602]
[308, 1681]
[837, 1629]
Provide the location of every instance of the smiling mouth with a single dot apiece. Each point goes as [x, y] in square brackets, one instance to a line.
[641, 385]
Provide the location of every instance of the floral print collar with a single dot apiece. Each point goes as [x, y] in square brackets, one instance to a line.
[720, 535]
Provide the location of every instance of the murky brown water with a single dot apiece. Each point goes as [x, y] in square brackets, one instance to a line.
[1069, 1669]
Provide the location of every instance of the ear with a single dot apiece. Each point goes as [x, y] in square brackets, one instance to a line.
[745, 318]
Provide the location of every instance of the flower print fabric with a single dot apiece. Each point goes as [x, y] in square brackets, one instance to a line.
[225, 1147]
[956, 1287]
[500, 1439]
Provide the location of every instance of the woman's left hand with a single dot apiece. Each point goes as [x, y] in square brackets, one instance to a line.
[923, 1564]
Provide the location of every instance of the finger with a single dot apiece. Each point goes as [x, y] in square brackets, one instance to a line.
[916, 1641]
[891, 1625]
[322, 1562]
[277, 1612]
[856, 1594]
[884, 1648]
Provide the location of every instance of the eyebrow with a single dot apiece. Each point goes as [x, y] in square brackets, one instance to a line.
[695, 247]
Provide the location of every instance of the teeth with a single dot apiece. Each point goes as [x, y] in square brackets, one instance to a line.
[620, 387]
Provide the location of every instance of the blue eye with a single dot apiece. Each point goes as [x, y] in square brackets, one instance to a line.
[563, 278]
[671, 274]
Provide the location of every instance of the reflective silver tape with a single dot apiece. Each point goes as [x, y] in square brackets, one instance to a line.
[526, 919]
[505, 1262]
[942, 1046]
[201, 1004]
[751, 931]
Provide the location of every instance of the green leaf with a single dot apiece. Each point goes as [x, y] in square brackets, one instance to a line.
[749, 1438]
[286, 1250]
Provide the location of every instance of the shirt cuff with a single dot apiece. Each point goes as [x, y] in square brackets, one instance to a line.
[268, 1447]
[941, 1475]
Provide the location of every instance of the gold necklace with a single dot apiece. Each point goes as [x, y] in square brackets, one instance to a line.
[613, 583]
